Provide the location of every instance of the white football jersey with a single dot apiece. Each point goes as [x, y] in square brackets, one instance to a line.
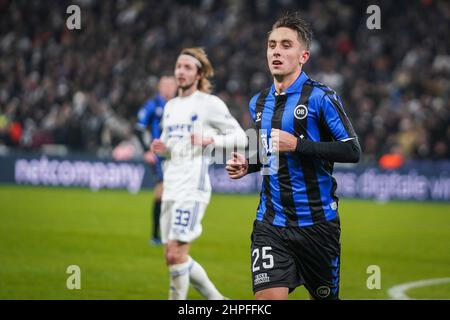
[186, 166]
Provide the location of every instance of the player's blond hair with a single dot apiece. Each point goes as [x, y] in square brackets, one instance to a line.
[206, 71]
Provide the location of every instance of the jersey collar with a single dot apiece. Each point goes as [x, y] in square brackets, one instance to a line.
[295, 87]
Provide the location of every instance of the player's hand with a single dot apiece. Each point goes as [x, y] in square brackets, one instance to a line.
[123, 152]
[283, 141]
[150, 157]
[158, 147]
[237, 166]
[198, 140]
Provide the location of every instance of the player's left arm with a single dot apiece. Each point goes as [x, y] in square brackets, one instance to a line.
[346, 146]
[229, 132]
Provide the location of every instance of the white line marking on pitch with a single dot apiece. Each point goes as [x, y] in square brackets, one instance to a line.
[398, 292]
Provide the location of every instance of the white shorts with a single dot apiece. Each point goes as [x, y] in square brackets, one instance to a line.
[181, 220]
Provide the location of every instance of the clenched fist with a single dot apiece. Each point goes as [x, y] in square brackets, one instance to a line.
[237, 166]
[283, 141]
[158, 147]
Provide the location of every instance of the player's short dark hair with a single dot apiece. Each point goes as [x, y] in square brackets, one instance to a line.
[295, 22]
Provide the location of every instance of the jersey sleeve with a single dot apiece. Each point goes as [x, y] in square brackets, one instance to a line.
[252, 107]
[145, 114]
[164, 137]
[229, 132]
[156, 127]
[336, 119]
[254, 163]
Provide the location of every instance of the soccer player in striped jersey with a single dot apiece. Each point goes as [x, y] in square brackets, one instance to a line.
[193, 121]
[303, 129]
[150, 115]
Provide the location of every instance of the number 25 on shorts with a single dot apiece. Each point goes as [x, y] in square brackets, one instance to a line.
[266, 259]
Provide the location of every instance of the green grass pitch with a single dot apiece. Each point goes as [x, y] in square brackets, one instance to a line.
[106, 233]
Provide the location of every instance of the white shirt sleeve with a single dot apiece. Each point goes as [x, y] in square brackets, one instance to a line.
[164, 135]
[229, 132]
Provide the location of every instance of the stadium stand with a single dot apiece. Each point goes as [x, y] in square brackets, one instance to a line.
[82, 88]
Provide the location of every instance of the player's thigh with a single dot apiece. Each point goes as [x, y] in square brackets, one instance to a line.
[272, 294]
[317, 250]
[165, 219]
[186, 221]
[272, 263]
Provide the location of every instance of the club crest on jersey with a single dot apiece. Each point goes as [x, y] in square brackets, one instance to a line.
[159, 111]
[300, 112]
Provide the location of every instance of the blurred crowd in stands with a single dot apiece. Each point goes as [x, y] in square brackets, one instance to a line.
[82, 88]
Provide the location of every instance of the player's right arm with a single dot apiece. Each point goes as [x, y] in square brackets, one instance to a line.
[345, 148]
[143, 119]
[160, 146]
[253, 161]
[237, 166]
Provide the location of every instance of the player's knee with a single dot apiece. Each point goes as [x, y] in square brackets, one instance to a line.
[173, 257]
[264, 296]
[272, 294]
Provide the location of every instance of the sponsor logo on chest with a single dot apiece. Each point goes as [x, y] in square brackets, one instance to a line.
[300, 112]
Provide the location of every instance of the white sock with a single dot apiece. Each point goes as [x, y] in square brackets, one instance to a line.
[201, 282]
[179, 281]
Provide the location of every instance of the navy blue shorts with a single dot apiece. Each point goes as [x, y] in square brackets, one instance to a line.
[293, 256]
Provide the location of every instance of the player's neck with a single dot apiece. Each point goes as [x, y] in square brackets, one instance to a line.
[283, 82]
[186, 92]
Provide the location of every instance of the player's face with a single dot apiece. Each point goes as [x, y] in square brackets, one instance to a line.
[285, 53]
[186, 73]
[167, 87]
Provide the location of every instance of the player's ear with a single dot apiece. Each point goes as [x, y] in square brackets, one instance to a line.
[199, 74]
[304, 57]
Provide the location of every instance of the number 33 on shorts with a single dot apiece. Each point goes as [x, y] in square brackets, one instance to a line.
[181, 220]
[182, 217]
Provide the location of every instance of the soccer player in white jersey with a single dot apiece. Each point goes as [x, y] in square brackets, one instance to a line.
[187, 188]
